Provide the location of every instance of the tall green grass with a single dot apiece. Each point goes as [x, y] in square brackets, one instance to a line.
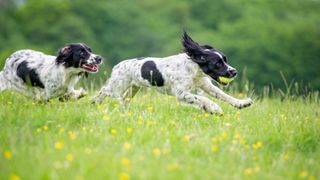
[156, 138]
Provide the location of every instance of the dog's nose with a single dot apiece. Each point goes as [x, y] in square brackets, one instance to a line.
[98, 59]
[233, 72]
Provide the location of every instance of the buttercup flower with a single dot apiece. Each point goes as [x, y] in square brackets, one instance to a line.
[214, 148]
[125, 161]
[126, 145]
[156, 152]
[69, 157]
[58, 145]
[124, 176]
[257, 145]
[14, 177]
[7, 154]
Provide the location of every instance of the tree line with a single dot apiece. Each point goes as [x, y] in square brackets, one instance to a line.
[266, 37]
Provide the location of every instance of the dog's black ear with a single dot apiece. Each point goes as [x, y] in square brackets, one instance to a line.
[64, 54]
[207, 47]
[193, 49]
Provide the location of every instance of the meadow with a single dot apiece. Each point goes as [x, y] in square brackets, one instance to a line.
[156, 138]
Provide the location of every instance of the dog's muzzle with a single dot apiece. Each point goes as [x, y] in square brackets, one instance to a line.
[93, 66]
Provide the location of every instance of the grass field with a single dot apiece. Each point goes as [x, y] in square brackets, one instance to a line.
[155, 138]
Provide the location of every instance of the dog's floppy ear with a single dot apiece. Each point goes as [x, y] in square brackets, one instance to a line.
[64, 54]
[193, 49]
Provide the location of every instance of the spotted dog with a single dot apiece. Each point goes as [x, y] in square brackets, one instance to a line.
[178, 75]
[42, 76]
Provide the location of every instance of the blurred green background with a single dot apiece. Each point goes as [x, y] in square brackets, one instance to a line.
[260, 38]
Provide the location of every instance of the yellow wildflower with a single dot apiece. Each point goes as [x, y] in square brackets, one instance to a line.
[186, 138]
[69, 157]
[105, 118]
[256, 168]
[39, 130]
[303, 174]
[311, 178]
[285, 156]
[214, 139]
[257, 145]
[224, 136]
[125, 161]
[129, 113]
[61, 130]
[156, 152]
[139, 121]
[214, 148]
[129, 130]
[248, 171]
[150, 108]
[172, 167]
[126, 145]
[7, 154]
[72, 135]
[58, 145]
[45, 127]
[14, 177]
[124, 176]
[237, 136]
[113, 131]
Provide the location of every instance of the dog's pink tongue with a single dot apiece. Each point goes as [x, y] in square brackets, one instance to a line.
[91, 67]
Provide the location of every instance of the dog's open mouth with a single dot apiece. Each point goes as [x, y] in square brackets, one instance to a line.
[90, 67]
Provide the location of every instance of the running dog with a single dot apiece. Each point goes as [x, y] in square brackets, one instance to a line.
[42, 76]
[178, 75]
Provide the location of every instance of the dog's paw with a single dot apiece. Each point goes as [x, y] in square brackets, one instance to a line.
[96, 100]
[213, 109]
[243, 103]
[82, 93]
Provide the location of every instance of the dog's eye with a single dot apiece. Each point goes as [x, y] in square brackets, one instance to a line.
[219, 64]
[225, 59]
[83, 54]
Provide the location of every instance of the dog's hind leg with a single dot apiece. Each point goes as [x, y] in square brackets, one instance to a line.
[130, 93]
[214, 91]
[115, 88]
[198, 101]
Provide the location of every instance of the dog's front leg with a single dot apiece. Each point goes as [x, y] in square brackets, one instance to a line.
[208, 87]
[77, 94]
[198, 101]
[73, 94]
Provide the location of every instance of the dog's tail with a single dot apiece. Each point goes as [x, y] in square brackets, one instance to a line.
[2, 82]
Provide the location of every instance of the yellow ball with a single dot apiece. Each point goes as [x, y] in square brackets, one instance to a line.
[225, 80]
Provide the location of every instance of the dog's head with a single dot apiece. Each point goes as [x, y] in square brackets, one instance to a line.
[80, 56]
[211, 61]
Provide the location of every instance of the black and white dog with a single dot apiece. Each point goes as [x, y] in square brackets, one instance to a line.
[42, 76]
[179, 75]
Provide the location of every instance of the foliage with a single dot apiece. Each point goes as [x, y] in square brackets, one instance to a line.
[264, 37]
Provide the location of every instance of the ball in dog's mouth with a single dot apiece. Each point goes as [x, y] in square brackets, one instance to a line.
[90, 67]
[225, 80]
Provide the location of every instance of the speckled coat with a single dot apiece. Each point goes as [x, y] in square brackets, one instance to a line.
[175, 75]
[38, 75]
